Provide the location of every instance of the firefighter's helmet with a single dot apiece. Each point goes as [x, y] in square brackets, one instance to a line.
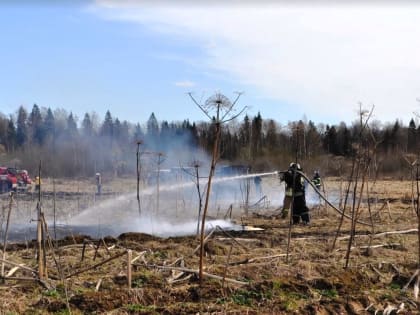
[295, 166]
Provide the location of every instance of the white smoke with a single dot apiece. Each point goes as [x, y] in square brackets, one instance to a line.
[178, 208]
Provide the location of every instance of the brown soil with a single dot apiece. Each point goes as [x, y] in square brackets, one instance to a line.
[311, 280]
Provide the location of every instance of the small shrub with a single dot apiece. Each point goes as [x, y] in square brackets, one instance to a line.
[394, 286]
[329, 293]
[243, 297]
[220, 301]
[52, 293]
[138, 283]
[140, 280]
[290, 305]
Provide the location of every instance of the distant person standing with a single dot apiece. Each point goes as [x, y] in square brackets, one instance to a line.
[257, 183]
[316, 180]
[98, 179]
[37, 183]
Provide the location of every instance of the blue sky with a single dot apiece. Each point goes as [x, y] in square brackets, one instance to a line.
[138, 57]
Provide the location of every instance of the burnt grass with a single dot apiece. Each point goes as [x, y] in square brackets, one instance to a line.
[311, 280]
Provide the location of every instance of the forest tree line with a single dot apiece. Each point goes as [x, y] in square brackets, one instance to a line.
[66, 146]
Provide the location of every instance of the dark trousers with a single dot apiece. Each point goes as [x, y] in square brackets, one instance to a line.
[300, 210]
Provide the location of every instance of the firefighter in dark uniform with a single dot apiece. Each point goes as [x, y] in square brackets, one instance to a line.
[295, 194]
[316, 180]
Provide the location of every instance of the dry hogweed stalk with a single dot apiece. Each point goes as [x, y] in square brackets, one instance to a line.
[219, 109]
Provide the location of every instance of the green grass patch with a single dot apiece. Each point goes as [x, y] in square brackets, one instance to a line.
[52, 293]
[246, 298]
[329, 293]
[145, 278]
[394, 286]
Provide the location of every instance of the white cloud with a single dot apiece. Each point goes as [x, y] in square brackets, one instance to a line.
[185, 84]
[323, 59]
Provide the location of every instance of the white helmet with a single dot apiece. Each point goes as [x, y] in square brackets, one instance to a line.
[295, 166]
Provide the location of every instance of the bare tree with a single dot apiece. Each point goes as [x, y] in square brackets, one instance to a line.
[159, 161]
[195, 175]
[359, 176]
[138, 169]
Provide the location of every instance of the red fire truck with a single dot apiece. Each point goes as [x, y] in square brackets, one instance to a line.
[8, 179]
[24, 182]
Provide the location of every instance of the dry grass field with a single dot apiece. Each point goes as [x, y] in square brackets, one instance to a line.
[249, 271]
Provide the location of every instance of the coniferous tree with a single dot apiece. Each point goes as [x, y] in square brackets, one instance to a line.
[245, 139]
[226, 144]
[152, 136]
[313, 140]
[49, 130]
[418, 138]
[343, 141]
[330, 140]
[60, 122]
[124, 133]
[245, 133]
[396, 137]
[412, 137]
[166, 133]
[138, 133]
[107, 126]
[152, 125]
[11, 136]
[386, 141]
[3, 129]
[35, 124]
[49, 122]
[21, 128]
[256, 136]
[271, 136]
[71, 126]
[87, 126]
[116, 130]
[194, 135]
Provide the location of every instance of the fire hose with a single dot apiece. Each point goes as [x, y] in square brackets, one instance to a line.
[325, 198]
